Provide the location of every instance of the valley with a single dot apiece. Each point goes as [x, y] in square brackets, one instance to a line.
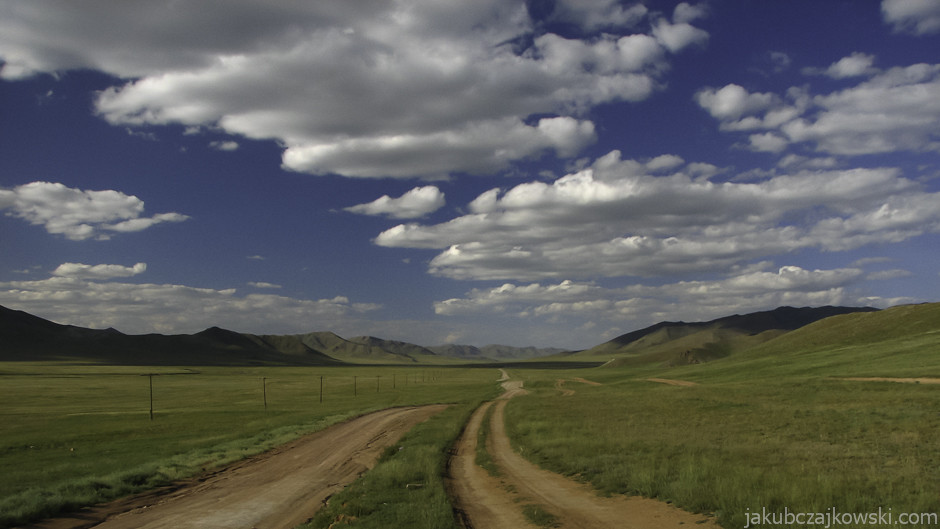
[838, 413]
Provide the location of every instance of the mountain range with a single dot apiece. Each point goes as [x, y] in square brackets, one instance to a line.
[25, 337]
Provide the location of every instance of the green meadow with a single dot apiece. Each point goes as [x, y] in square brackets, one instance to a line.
[76, 435]
[776, 427]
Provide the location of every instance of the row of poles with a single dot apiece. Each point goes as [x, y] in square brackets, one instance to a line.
[264, 387]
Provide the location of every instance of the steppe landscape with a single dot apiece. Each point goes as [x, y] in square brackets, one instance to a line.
[479, 264]
[808, 409]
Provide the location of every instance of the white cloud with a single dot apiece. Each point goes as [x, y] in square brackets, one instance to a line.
[896, 110]
[168, 308]
[598, 14]
[417, 202]
[101, 271]
[263, 284]
[228, 146]
[855, 65]
[892, 110]
[686, 12]
[768, 142]
[747, 291]
[919, 17]
[78, 214]
[413, 88]
[676, 37]
[733, 101]
[614, 220]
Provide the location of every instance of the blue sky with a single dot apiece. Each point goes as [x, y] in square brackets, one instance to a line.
[550, 173]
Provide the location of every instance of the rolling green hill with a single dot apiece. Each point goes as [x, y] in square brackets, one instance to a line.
[680, 343]
[901, 341]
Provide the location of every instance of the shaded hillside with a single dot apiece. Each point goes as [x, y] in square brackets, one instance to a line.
[676, 343]
[364, 349]
[24, 337]
[493, 352]
[897, 323]
[902, 341]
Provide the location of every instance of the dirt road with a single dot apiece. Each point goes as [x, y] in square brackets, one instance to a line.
[921, 380]
[496, 503]
[279, 489]
[683, 383]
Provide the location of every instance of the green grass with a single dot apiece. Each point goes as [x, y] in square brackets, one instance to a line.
[773, 427]
[406, 487]
[76, 435]
[539, 516]
[483, 458]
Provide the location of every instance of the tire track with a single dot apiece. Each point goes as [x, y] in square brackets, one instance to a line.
[490, 503]
[279, 489]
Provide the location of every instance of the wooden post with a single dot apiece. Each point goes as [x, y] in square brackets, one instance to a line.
[321, 389]
[150, 376]
[393, 381]
[264, 391]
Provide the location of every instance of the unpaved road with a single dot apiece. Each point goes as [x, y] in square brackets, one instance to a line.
[278, 489]
[486, 502]
[669, 381]
[921, 380]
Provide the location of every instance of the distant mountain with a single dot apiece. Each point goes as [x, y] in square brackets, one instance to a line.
[674, 343]
[493, 352]
[24, 337]
[365, 349]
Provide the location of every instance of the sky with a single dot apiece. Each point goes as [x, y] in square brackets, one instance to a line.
[544, 172]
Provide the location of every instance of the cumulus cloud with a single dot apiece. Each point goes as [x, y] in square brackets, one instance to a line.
[262, 284]
[228, 146]
[685, 12]
[413, 88]
[79, 214]
[855, 65]
[616, 219]
[919, 17]
[747, 291]
[597, 14]
[101, 271]
[417, 202]
[733, 101]
[167, 308]
[676, 37]
[891, 110]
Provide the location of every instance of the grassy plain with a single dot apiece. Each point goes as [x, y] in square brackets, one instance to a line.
[75, 435]
[776, 427]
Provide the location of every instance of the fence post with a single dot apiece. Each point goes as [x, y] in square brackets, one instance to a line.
[264, 391]
[150, 376]
[321, 389]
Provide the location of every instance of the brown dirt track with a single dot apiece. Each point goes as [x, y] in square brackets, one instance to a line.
[486, 502]
[278, 489]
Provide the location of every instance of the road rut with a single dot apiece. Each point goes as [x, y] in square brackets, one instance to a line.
[279, 489]
[486, 502]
